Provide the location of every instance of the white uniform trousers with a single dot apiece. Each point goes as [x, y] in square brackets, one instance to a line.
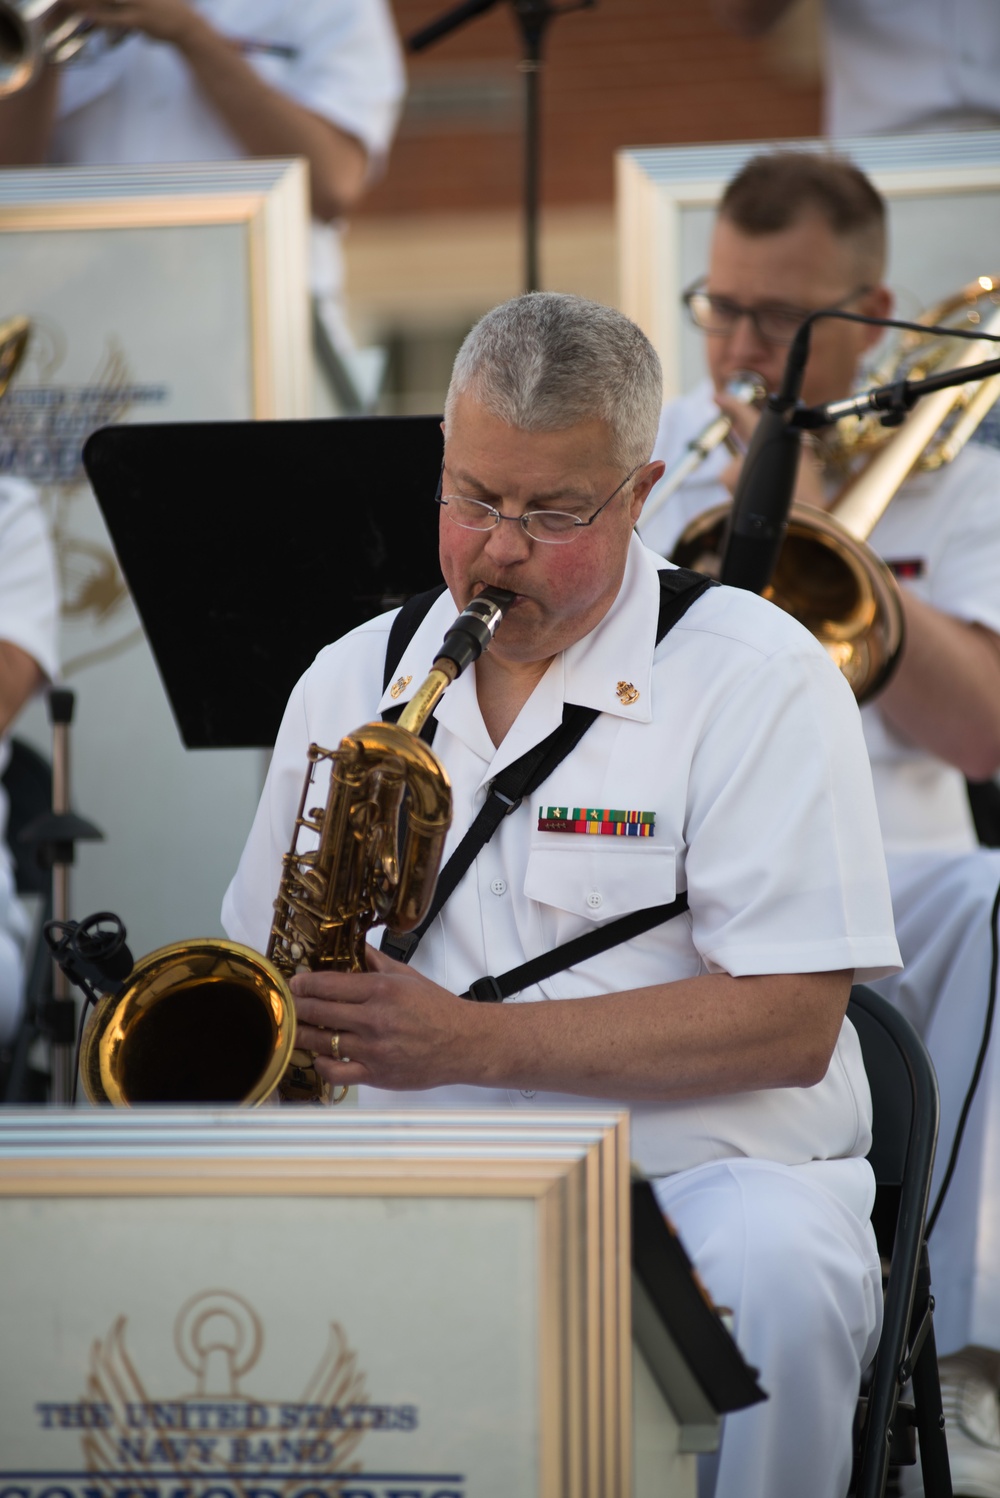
[942, 906]
[800, 1272]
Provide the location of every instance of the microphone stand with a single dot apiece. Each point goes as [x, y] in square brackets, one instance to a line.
[893, 401]
[534, 17]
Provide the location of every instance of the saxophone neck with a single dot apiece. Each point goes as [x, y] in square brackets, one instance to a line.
[427, 696]
[471, 634]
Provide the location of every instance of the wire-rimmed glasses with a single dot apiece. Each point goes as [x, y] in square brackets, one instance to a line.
[551, 526]
[773, 322]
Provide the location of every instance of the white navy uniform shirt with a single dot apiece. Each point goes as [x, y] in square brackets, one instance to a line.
[911, 65]
[139, 102]
[29, 589]
[746, 744]
[29, 617]
[941, 535]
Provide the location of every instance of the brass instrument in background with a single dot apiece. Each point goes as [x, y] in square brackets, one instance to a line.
[168, 1034]
[14, 335]
[827, 576]
[33, 32]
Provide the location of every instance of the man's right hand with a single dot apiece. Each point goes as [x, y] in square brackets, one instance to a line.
[809, 486]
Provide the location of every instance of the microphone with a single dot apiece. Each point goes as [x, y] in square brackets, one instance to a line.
[763, 496]
[92, 953]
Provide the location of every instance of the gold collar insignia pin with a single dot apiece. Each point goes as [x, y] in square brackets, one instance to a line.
[399, 686]
[627, 693]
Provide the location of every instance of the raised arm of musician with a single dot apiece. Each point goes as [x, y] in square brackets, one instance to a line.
[325, 85]
[266, 121]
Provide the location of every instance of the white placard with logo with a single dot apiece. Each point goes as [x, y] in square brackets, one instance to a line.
[155, 294]
[299, 1305]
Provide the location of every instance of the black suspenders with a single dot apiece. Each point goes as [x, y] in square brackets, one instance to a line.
[679, 588]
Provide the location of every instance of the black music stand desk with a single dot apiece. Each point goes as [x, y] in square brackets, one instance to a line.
[247, 546]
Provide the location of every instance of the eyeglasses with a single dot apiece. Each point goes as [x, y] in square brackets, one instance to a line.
[773, 322]
[554, 526]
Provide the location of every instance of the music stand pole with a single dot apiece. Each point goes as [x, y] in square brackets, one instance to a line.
[533, 16]
[62, 1015]
[55, 835]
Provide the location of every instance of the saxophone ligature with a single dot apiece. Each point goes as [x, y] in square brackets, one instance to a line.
[368, 856]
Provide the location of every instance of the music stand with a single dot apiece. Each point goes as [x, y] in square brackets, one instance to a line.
[247, 546]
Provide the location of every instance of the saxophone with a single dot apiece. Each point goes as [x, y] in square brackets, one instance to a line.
[369, 856]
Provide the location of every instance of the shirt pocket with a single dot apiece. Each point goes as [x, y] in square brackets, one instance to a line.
[604, 878]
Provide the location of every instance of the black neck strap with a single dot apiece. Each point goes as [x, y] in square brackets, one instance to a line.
[679, 589]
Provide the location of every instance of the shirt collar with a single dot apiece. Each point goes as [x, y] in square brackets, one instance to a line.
[603, 670]
[608, 667]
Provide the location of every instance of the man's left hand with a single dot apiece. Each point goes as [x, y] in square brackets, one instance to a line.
[400, 1030]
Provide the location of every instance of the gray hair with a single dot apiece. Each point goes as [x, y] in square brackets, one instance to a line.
[546, 361]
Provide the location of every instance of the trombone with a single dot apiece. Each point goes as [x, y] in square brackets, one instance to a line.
[827, 576]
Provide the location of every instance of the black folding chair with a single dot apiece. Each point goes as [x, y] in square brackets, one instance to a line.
[984, 800]
[904, 1135]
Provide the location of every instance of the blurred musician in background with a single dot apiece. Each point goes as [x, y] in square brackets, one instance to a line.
[736, 745]
[797, 232]
[219, 80]
[915, 65]
[29, 616]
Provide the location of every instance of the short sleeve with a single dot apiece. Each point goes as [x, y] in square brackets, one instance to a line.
[785, 865]
[29, 590]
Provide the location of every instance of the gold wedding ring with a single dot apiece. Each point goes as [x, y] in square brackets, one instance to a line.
[335, 1046]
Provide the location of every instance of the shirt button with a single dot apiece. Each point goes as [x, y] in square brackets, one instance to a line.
[595, 899]
[499, 887]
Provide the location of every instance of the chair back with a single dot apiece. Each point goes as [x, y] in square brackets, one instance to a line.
[28, 783]
[904, 1136]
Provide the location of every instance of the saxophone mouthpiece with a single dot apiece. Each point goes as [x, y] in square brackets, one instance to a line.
[474, 628]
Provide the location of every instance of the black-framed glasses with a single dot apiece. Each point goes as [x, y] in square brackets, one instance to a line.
[554, 526]
[773, 322]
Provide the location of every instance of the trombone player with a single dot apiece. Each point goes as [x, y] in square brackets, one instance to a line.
[797, 232]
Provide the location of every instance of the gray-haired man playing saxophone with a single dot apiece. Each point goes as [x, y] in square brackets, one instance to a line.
[733, 749]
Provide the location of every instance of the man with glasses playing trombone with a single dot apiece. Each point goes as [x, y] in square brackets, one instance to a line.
[722, 771]
[797, 232]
